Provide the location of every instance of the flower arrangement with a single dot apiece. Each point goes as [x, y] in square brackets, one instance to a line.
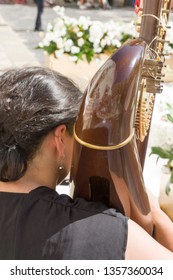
[162, 138]
[83, 39]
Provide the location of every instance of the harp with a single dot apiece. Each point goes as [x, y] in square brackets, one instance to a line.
[113, 123]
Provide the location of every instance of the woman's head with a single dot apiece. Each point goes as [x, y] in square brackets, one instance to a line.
[33, 101]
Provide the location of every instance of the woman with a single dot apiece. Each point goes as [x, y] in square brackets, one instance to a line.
[38, 108]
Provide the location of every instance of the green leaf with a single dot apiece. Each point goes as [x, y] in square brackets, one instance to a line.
[161, 153]
[170, 108]
[51, 48]
[170, 118]
[125, 37]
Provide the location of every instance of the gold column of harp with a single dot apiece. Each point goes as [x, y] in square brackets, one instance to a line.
[152, 29]
[106, 165]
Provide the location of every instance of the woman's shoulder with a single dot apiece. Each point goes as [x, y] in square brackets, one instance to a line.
[44, 217]
[100, 226]
[78, 205]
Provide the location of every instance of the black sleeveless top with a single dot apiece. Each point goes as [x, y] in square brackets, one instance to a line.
[46, 225]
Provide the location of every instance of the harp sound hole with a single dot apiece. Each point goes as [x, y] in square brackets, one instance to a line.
[99, 189]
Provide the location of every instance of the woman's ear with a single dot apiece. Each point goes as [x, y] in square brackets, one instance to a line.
[59, 133]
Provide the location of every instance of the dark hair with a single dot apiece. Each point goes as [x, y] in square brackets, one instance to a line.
[33, 101]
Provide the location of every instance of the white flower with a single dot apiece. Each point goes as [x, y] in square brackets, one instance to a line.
[110, 34]
[47, 39]
[103, 43]
[58, 32]
[70, 21]
[75, 49]
[59, 53]
[59, 25]
[95, 32]
[116, 43]
[79, 34]
[108, 41]
[168, 49]
[68, 44]
[59, 43]
[97, 49]
[161, 132]
[76, 29]
[49, 26]
[40, 44]
[80, 42]
[84, 22]
[59, 10]
[73, 58]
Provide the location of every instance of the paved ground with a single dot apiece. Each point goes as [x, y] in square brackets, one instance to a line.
[18, 40]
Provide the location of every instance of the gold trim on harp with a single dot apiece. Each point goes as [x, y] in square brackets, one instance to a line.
[102, 148]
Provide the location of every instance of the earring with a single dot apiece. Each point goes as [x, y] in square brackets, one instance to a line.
[61, 167]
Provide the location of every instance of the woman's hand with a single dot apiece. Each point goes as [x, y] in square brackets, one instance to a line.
[163, 226]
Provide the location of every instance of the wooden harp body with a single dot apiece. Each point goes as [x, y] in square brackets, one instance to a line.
[106, 164]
